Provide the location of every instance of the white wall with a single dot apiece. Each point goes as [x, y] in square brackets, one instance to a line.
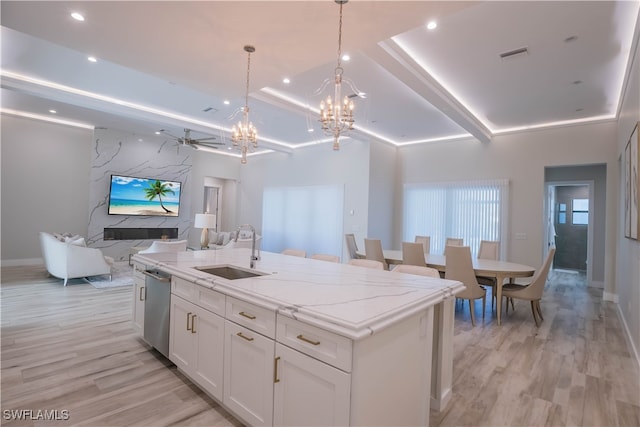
[627, 253]
[45, 184]
[318, 165]
[382, 194]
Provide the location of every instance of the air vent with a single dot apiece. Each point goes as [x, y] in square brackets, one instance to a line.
[514, 52]
[210, 109]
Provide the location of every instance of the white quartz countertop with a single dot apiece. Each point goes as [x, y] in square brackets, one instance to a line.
[348, 300]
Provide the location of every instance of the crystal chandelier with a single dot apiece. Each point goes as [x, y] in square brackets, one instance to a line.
[244, 135]
[337, 116]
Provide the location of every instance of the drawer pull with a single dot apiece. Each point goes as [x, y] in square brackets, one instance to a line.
[243, 336]
[275, 370]
[142, 291]
[193, 324]
[188, 318]
[305, 339]
[248, 316]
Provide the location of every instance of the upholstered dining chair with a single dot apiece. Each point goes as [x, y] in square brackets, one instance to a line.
[373, 250]
[417, 270]
[413, 254]
[489, 249]
[367, 263]
[451, 241]
[459, 267]
[533, 291]
[352, 247]
[426, 242]
[295, 252]
[326, 257]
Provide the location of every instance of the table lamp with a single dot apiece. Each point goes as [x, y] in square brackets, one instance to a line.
[205, 221]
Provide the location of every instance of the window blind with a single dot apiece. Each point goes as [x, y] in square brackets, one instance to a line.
[473, 211]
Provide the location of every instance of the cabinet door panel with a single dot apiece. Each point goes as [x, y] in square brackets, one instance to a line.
[139, 296]
[308, 391]
[181, 339]
[248, 374]
[209, 353]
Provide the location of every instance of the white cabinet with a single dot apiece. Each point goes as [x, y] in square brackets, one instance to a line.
[139, 295]
[196, 342]
[309, 392]
[248, 374]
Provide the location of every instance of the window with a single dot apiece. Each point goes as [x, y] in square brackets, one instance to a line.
[308, 218]
[580, 211]
[562, 213]
[473, 211]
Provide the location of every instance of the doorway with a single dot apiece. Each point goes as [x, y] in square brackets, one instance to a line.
[569, 218]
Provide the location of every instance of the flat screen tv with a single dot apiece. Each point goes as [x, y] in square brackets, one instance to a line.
[130, 195]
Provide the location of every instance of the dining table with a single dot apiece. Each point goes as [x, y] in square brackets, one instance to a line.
[500, 270]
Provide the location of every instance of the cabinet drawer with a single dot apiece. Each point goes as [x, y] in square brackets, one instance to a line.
[256, 318]
[210, 300]
[183, 288]
[331, 348]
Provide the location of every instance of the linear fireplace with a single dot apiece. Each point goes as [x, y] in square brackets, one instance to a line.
[140, 233]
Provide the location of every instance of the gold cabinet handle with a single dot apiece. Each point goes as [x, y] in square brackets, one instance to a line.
[248, 316]
[275, 370]
[244, 336]
[193, 324]
[188, 318]
[305, 339]
[142, 291]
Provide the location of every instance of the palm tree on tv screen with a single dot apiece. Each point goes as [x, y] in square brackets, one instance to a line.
[158, 189]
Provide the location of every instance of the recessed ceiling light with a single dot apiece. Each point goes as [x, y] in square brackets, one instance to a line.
[157, 132]
[346, 57]
[53, 111]
[310, 130]
[432, 25]
[286, 80]
[226, 102]
[77, 16]
[92, 59]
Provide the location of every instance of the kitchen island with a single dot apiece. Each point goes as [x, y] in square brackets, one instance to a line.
[309, 342]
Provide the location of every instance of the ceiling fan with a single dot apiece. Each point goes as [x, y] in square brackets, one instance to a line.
[194, 143]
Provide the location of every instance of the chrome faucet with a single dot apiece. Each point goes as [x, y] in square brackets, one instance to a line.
[254, 258]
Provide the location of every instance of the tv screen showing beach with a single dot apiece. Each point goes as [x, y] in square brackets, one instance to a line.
[143, 196]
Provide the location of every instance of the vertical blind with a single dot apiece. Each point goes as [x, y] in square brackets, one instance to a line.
[473, 211]
[306, 217]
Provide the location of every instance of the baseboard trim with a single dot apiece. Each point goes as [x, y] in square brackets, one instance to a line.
[20, 262]
[628, 338]
[609, 296]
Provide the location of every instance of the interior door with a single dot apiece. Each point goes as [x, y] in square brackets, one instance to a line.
[571, 226]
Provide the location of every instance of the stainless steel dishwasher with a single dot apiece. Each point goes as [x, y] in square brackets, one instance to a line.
[156, 310]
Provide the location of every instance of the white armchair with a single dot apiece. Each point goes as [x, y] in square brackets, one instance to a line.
[71, 259]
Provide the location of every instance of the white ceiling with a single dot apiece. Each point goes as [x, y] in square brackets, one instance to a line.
[160, 64]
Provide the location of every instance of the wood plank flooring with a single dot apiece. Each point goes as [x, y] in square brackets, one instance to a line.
[73, 349]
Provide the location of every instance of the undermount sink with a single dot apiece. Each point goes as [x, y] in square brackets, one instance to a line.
[230, 272]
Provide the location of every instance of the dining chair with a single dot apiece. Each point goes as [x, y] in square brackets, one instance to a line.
[426, 242]
[373, 250]
[417, 270]
[489, 249]
[367, 263]
[295, 252]
[452, 241]
[459, 267]
[352, 247]
[413, 254]
[533, 290]
[326, 257]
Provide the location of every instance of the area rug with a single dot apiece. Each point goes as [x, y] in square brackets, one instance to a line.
[122, 275]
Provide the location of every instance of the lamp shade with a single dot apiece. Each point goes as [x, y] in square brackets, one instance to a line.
[205, 221]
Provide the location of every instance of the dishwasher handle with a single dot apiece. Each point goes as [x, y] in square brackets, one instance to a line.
[156, 276]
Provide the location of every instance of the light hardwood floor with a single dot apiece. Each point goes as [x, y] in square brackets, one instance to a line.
[73, 349]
